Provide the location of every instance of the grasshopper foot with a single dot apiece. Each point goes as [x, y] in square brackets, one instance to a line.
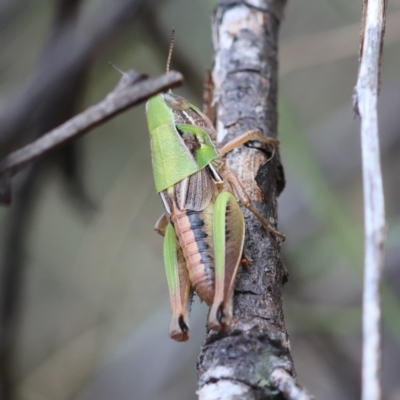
[220, 317]
[179, 329]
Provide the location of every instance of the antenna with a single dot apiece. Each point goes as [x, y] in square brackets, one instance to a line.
[171, 47]
[116, 68]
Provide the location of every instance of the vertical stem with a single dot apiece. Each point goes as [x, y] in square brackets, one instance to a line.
[366, 101]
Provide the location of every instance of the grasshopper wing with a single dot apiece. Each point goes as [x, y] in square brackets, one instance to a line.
[228, 231]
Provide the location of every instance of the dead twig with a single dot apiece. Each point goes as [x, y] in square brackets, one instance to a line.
[115, 102]
[365, 104]
[63, 56]
[288, 386]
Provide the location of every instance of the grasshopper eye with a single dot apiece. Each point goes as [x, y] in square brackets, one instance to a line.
[175, 102]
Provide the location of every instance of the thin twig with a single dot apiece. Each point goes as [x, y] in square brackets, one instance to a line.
[366, 94]
[63, 56]
[114, 103]
[288, 385]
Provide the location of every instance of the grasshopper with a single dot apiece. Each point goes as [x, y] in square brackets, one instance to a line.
[203, 225]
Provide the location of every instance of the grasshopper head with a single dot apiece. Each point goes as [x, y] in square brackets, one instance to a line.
[172, 120]
[160, 109]
[169, 108]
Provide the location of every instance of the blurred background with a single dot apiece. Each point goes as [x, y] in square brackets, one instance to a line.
[85, 300]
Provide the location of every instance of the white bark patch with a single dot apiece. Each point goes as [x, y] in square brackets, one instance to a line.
[257, 3]
[218, 373]
[236, 20]
[225, 390]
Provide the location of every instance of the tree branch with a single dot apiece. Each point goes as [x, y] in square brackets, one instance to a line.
[252, 359]
[366, 98]
[120, 99]
[63, 56]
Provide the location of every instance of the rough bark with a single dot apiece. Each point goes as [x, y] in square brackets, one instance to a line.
[239, 363]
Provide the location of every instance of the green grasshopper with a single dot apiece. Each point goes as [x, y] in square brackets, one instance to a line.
[203, 225]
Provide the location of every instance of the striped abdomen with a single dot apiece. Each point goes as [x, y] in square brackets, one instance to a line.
[194, 232]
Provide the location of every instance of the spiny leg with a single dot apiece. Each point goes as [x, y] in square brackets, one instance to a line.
[244, 138]
[229, 176]
[179, 286]
[228, 235]
[161, 225]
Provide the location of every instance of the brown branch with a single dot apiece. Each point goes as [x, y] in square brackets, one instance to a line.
[115, 102]
[251, 360]
[365, 103]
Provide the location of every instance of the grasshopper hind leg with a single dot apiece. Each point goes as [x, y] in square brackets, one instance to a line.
[235, 183]
[229, 176]
[228, 233]
[180, 290]
[246, 137]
